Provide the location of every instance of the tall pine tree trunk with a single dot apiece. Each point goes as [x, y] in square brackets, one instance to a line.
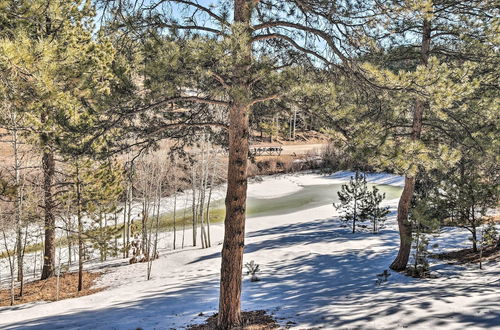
[234, 230]
[404, 225]
[405, 231]
[234, 222]
[48, 166]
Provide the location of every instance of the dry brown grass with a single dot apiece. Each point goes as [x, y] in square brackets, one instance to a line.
[45, 290]
[254, 320]
[268, 165]
[490, 253]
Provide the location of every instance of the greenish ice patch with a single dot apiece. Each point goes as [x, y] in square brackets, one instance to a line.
[306, 198]
[303, 199]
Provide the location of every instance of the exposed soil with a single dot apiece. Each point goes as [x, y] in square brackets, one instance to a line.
[46, 290]
[490, 253]
[253, 320]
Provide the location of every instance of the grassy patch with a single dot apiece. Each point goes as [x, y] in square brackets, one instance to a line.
[46, 290]
[182, 219]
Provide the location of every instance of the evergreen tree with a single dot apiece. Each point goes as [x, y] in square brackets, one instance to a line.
[216, 64]
[352, 198]
[464, 195]
[56, 71]
[428, 64]
[371, 209]
[423, 225]
[95, 187]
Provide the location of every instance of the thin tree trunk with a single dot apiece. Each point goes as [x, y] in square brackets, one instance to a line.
[294, 121]
[11, 268]
[125, 227]
[100, 235]
[355, 214]
[404, 205]
[152, 256]
[116, 236]
[203, 185]
[474, 238]
[19, 198]
[417, 254]
[21, 280]
[184, 221]
[18, 207]
[145, 216]
[48, 166]
[193, 178]
[208, 202]
[481, 249]
[474, 223]
[34, 264]
[175, 208]
[199, 206]
[68, 231]
[58, 274]
[80, 227]
[130, 198]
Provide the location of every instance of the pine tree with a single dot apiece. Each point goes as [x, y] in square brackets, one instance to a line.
[464, 195]
[423, 225]
[371, 209]
[217, 68]
[352, 198]
[56, 71]
[428, 63]
[95, 187]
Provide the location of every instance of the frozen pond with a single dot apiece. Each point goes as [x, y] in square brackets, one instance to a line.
[309, 196]
[306, 198]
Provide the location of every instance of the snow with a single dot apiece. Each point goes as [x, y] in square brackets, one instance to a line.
[344, 176]
[313, 273]
[273, 187]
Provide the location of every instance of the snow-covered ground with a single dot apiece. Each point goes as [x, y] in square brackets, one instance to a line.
[314, 273]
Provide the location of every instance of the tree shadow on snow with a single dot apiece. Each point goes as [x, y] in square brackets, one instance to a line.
[306, 233]
[334, 289]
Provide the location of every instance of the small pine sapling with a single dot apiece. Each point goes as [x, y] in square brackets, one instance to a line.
[371, 209]
[351, 198]
[423, 225]
[252, 270]
[489, 237]
[382, 277]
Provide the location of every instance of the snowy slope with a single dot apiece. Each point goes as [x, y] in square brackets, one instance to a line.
[314, 273]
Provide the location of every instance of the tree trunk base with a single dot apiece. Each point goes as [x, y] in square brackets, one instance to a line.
[253, 320]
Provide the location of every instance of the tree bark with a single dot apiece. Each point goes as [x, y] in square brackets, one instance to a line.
[405, 230]
[48, 166]
[474, 225]
[474, 240]
[404, 225]
[234, 222]
[234, 234]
